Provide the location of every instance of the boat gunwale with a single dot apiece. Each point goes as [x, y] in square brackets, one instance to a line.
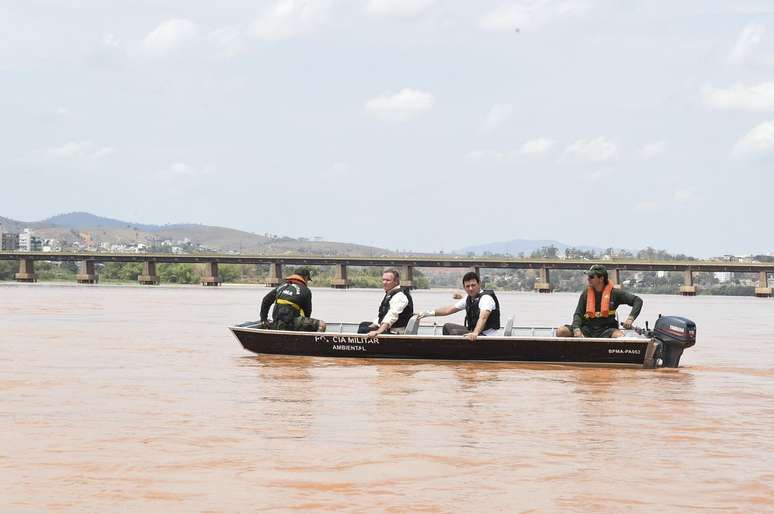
[607, 340]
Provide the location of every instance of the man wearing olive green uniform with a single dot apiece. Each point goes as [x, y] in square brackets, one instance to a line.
[595, 317]
[292, 305]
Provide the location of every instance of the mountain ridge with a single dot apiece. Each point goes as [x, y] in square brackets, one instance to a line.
[79, 225]
[84, 226]
[80, 220]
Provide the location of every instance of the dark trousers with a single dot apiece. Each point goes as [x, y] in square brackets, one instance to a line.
[365, 327]
[452, 329]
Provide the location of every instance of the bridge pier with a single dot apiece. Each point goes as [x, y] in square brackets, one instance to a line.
[340, 281]
[688, 289]
[87, 273]
[211, 276]
[616, 278]
[407, 277]
[275, 275]
[477, 271]
[26, 271]
[149, 276]
[763, 290]
[543, 284]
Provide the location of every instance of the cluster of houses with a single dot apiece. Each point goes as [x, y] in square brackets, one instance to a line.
[27, 241]
[183, 246]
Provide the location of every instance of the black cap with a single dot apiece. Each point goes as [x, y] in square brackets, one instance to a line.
[304, 272]
[597, 270]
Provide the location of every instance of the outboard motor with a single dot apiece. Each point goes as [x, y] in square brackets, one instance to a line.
[675, 334]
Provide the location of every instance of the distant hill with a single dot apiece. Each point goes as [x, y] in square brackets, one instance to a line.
[81, 220]
[82, 226]
[9, 225]
[517, 246]
[79, 226]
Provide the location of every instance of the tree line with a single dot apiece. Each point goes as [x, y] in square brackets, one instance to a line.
[174, 273]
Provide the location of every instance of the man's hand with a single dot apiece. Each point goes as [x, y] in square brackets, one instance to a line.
[628, 323]
[577, 333]
[426, 314]
[471, 336]
[378, 330]
[322, 326]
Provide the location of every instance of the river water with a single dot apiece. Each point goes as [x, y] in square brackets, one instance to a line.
[138, 400]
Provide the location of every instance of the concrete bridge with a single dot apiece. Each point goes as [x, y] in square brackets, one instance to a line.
[88, 275]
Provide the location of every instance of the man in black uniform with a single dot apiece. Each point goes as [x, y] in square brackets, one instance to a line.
[482, 310]
[395, 310]
[595, 313]
[292, 305]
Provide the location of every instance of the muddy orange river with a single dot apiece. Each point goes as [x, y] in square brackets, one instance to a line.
[139, 400]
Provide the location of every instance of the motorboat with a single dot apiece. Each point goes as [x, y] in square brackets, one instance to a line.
[642, 348]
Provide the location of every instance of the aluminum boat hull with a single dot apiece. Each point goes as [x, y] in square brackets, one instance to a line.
[634, 351]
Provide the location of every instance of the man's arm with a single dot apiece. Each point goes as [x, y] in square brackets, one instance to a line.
[577, 319]
[480, 324]
[441, 311]
[267, 302]
[633, 300]
[306, 303]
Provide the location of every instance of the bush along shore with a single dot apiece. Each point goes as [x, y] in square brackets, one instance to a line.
[117, 272]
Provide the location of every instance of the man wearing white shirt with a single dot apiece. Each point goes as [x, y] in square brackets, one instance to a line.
[395, 310]
[482, 310]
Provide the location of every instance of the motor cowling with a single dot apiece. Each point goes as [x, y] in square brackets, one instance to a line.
[675, 334]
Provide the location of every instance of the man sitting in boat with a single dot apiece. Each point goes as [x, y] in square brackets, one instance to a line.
[396, 308]
[292, 305]
[595, 313]
[482, 310]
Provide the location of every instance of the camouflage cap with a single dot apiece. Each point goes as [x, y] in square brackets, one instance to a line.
[597, 270]
[304, 272]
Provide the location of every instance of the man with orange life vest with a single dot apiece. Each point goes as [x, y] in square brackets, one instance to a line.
[595, 313]
[292, 305]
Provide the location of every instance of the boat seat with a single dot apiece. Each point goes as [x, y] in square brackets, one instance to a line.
[508, 327]
[412, 327]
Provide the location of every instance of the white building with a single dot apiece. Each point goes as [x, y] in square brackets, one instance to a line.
[52, 245]
[25, 240]
[29, 243]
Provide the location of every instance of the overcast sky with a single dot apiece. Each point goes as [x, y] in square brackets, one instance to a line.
[409, 124]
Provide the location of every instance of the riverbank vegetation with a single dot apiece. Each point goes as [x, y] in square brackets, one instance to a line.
[119, 272]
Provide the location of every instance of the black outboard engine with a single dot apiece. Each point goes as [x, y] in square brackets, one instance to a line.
[675, 334]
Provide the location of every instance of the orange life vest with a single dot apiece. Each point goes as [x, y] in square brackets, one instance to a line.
[296, 278]
[604, 307]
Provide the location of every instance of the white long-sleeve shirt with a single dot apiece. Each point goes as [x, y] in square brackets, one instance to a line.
[398, 302]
